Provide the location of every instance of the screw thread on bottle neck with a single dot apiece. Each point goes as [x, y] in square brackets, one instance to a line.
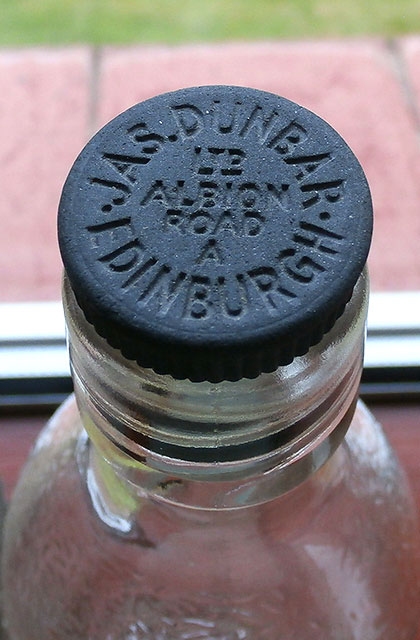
[291, 419]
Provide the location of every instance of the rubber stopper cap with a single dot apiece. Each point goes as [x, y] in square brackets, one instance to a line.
[216, 232]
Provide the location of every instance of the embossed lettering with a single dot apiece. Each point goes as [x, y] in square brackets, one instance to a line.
[280, 195]
[210, 253]
[266, 281]
[208, 192]
[227, 222]
[200, 222]
[198, 297]
[307, 165]
[331, 191]
[163, 288]
[139, 272]
[258, 123]
[216, 207]
[123, 191]
[118, 234]
[189, 120]
[123, 258]
[300, 268]
[233, 295]
[221, 123]
[204, 222]
[150, 142]
[288, 138]
[219, 202]
[174, 218]
[126, 165]
[109, 225]
[313, 235]
[249, 194]
[156, 192]
[253, 223]
[225, 160]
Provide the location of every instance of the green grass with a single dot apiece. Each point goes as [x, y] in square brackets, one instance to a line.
[126, 21]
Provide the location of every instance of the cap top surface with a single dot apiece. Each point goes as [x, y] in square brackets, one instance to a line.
[214, 217]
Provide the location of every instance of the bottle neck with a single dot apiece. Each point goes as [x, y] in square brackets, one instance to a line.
[276, 430]
[125, 498]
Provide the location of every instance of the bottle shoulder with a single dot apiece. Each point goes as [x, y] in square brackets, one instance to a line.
[362, 477]
[347, 532]
[364, 464]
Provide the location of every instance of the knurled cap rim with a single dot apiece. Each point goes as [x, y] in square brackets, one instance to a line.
[296, 234]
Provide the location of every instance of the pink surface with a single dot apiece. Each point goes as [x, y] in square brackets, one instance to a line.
[44, 108]
[410, 49]
[353, 85]
[364, 88]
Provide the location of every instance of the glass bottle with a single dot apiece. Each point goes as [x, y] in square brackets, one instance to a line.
[163, 503]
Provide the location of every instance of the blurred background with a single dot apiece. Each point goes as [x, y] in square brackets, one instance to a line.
[34, 22]
[68, 67]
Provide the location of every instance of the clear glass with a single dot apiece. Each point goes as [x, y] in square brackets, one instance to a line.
[310, 535]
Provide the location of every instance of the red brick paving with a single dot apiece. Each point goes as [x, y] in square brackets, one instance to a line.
[410, 50]
[354, 85]
[44, 108]
[364, 88]
[17, 436]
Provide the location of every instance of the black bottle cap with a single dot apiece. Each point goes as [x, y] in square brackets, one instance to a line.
[215, 232]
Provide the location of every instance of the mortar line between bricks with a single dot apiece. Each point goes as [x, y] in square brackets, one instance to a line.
[94, 83]
[405, 82]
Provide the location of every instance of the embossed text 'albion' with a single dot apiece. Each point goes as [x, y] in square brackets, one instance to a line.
[241, 207]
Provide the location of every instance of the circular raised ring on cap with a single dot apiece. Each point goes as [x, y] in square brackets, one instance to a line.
[214, 232]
